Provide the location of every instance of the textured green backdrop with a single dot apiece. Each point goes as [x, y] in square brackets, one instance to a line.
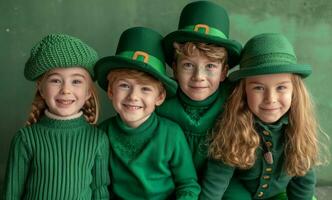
[307, 24]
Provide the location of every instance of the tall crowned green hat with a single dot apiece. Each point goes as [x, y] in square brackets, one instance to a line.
[139, 48]
[206, 22]
[269, 53]
[59, 51]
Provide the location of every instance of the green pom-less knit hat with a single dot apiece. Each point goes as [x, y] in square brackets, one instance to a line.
[206, 22]
[59, 51]
[139, 48]
[269, 53]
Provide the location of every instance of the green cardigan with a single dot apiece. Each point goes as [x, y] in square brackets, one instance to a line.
[58, 159]
[263, 180]
[151, 161]
[196, 118]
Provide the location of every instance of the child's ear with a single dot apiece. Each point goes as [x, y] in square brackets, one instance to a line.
[161, 98]
[39, 88]
[174, 69]
[89, 95]
[224, 73]
[109, 91]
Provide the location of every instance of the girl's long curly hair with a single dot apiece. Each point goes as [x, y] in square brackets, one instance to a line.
[90, 108]
[235, 141]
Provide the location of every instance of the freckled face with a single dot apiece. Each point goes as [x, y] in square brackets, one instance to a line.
[269, 97]
[198, 76]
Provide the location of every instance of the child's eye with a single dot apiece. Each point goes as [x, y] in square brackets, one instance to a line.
[258, 88]
[281, 87]
[146, 89]
[187, 65]
[211, 66]
[54, 80]
[124, 85]
[76, 81]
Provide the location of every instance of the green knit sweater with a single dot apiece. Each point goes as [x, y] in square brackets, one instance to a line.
[263, 180]
[58, 159]
[196, 118]
[151, 161]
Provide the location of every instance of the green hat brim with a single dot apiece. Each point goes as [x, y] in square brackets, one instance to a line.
[106, 64]
[233, 47]
[301, 69]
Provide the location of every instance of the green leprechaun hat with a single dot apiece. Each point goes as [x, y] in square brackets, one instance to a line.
[139, 48]
[269, 53]
[206, 22]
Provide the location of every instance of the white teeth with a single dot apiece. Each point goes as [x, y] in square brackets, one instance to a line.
[65, 102]
[133, 107]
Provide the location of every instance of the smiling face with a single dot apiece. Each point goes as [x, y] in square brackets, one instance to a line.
[199, 76]
[135, 99]
[269, 97]
[65, 90]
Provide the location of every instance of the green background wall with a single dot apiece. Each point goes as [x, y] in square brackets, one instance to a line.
[306, 23]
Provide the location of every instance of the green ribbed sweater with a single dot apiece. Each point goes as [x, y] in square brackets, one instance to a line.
[196, 118]
[150, 162]
[263, 180]
[58, 159]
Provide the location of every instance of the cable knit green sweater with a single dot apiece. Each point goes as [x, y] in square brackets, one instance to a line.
[58, 159]
[150, 162]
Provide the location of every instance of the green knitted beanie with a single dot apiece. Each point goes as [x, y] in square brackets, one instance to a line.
[59, 51]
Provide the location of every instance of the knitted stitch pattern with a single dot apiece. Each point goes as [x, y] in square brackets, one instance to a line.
[59, 50]
[157, 163]
[58, 159]
[196, 118]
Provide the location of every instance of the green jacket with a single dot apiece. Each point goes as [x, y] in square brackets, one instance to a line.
[58, 159]
[196, 118]
[263, 180]
[151, 161]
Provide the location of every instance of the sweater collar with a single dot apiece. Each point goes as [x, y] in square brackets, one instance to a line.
[146, 127]
[177, 110]
[184, 99]
[56, 122]
[57, 117]
[275, 127]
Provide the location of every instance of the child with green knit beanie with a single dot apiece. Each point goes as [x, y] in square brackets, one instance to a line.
[59, 154]
[150, 157]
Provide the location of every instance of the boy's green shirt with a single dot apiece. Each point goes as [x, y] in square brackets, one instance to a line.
[152, 161]
[196, 118]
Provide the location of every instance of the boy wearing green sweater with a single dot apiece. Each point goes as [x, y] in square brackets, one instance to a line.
[200, 54]
[59, 154]
[150, 158]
